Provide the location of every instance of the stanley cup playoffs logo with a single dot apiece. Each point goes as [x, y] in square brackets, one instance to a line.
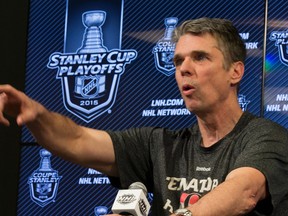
[281, 41]
[90, 76]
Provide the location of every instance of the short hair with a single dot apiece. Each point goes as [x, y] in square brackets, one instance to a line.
[226, 34]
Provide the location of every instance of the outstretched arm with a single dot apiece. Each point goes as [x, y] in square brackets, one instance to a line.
[59, 134]
[237, 195]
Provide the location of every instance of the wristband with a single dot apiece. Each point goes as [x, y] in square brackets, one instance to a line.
[183, 212]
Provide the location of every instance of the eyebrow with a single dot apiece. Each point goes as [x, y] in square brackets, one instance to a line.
[176, 57]
[199, 52]
[194, 52]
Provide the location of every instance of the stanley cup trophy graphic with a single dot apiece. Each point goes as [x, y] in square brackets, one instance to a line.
[170, 24]
[44, 181]
[89, 87]
[92, 38]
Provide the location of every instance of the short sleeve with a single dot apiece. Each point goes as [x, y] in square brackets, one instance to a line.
[132, 152]
[266, 149]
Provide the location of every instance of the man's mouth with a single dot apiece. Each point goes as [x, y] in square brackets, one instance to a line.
[187, 89]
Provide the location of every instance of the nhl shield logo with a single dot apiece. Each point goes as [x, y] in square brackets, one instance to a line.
[90, 77]
[89, 86]
[44, 181]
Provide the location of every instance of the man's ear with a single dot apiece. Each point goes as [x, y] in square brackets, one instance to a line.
[237, 72]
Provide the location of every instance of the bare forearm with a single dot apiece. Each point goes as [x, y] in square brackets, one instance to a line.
[238, 195]
[58, 134]
[81, 145]
[54, 132]
[225, 200]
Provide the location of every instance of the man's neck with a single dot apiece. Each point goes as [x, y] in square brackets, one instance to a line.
[214, 127]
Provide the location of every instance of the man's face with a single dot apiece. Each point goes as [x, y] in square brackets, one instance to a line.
[203, 82]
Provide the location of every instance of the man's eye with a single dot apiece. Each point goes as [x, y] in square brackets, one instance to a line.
[177, 62]
[200, 57]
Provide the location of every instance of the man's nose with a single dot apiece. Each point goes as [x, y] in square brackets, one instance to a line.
[187, 68]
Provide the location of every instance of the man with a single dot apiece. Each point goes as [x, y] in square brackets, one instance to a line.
[229, 163]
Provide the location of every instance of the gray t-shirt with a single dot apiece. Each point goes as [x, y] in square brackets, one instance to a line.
[178, 170]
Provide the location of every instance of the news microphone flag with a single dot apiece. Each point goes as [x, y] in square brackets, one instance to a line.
[132, 201]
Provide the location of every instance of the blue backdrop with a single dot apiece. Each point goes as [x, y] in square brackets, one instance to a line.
[127, 82]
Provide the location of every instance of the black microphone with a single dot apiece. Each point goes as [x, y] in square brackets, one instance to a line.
[132, 201]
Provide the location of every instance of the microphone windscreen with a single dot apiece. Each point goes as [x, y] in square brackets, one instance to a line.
[139, 185]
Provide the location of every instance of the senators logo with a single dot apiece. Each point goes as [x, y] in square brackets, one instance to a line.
[189, 199]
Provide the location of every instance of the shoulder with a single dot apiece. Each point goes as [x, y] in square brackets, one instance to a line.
[159, 131]
[262, 125]
[260, 134]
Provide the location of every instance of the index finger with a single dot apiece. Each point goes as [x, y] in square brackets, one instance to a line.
[3, 99]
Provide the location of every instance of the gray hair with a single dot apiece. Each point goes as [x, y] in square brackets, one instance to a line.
[225, 33]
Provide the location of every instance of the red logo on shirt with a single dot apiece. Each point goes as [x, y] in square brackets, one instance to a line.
[189, 199]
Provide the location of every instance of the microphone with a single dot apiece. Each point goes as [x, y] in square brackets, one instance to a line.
[132, 201]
